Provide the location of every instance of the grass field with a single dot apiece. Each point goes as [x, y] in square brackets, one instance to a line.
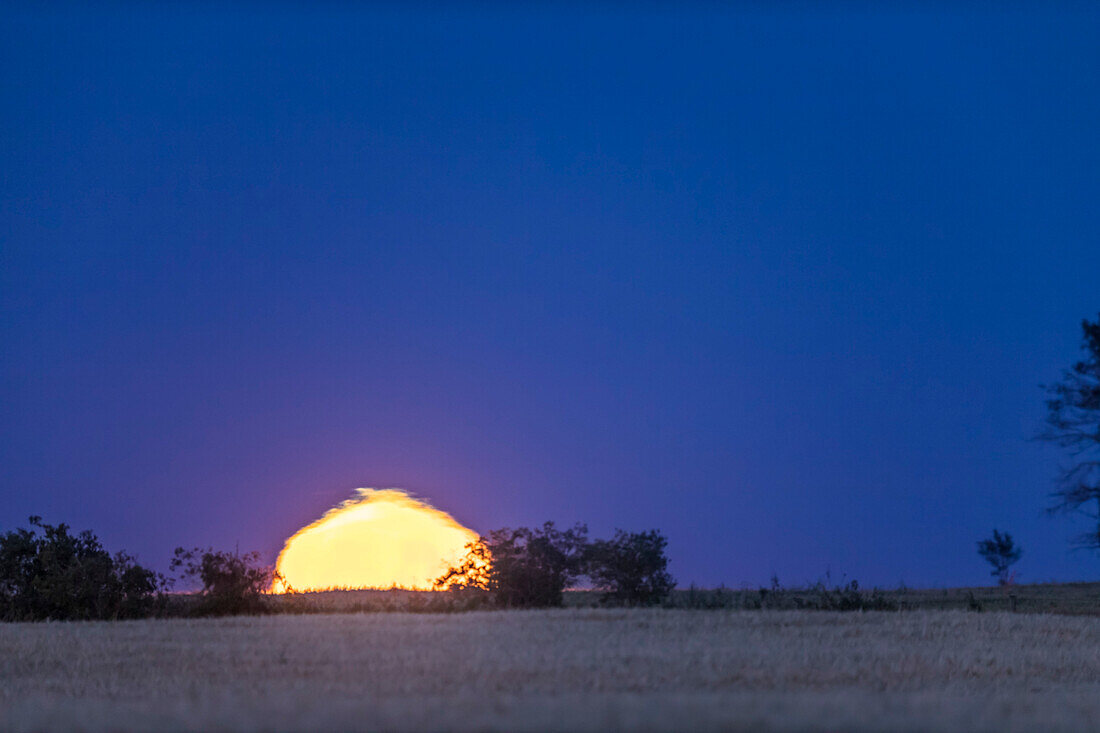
[572, 669]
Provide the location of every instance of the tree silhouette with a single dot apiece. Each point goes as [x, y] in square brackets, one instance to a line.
[521, 568]
[1073, 422]
[47, 572]
[1001, 552]
[631, 567]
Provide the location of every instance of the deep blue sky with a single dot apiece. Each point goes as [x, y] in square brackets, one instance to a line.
[781, 284]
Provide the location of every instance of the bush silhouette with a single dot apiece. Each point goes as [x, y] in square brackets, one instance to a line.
[521, 568]
[231, 583]
[631, 567]
[48, 573]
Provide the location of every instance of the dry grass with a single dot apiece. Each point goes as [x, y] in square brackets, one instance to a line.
[570, 669]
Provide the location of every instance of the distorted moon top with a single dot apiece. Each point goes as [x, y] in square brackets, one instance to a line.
[380, 538]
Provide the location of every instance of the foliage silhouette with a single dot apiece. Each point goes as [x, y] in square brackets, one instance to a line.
[1000, 551]
[631, 568]
[818, 596]
[521, 568]
[48, 573]
[231, 583]
[1073, 422]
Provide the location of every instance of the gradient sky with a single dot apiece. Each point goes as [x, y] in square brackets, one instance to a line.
[781, 284]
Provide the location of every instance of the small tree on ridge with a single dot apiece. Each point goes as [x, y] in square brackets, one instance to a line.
[1000, 551]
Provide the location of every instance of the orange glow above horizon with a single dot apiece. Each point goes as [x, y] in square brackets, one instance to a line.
[380, 538]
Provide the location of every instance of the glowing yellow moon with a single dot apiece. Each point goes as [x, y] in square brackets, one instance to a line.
[380, 538]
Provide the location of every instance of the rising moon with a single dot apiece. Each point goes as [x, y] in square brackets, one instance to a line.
[380, 538]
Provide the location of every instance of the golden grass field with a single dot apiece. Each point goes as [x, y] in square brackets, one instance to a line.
[571, 669]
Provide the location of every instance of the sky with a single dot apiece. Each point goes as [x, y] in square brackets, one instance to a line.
[781, 283]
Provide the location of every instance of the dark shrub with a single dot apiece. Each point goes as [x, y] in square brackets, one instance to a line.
[631, 567]
[48, 573]
[846, 598]
[521, 568]
[231, 583]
